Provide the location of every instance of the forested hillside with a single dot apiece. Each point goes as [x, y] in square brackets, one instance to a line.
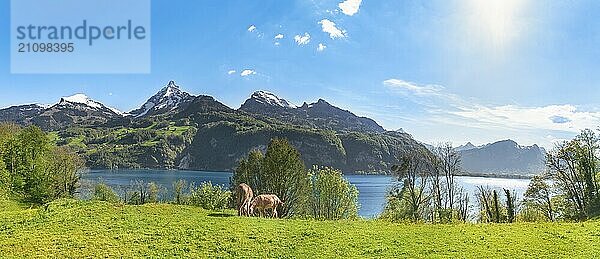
[175, 129]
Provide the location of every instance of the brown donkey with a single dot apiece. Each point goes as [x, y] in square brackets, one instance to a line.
[244, 197]
[266, 201]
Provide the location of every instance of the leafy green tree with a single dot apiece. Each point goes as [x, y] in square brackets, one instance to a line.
[280, 172]
[33, 148]
[332, 197]
[587, 146]
[286, 176]
[33, 169]
[66, 168]
[573, 167]
[538, 200]
[6, 132]
[249, 171]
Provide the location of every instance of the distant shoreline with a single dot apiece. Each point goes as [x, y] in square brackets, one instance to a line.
[485, 175]
[490, 175]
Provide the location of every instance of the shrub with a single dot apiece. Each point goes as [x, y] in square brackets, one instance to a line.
[103, 192]
[4, 183]
[396, 208]
[179, 189]
[332, 197]
[154, 192]
[141, 193]
[210, 197]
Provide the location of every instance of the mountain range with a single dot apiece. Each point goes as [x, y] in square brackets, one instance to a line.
[175, 129]
[504, 157]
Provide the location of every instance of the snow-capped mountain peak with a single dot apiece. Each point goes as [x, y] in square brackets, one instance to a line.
[167, 99]
[269, 98]
[83, 99]
[170, 89]
[80, 99]
[172, 84]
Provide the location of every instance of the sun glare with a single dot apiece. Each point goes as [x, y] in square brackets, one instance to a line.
[496, 21]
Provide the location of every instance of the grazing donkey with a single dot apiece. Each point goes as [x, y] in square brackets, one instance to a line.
[244, 197]
[266, 201]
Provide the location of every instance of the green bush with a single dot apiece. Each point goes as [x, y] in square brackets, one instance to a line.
[154, 192]
[210, 197]
[396, 208]
[179, 191]
[103, 192]
[332, 197]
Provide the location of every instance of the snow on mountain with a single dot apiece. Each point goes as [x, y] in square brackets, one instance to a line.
[319, 114]
[86, 101]
[147, 107]
[27, 106]
[167, 99]
[265, 97]
[81, 99]
[21, 114]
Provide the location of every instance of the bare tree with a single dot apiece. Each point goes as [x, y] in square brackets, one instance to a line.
[484, 197]
[446, 166]
[462, 205]
[415, 172]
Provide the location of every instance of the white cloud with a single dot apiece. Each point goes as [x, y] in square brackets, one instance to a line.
[399, 84]
[329, 27]
[251, 28]
[231, 72]
[321, 47]
[350, 7]
[302, 40]
[278, 36]
[572, 119]
[446, 109]
[247, 72]
[277, 43]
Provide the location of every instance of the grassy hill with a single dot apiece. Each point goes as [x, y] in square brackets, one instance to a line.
[70, 228]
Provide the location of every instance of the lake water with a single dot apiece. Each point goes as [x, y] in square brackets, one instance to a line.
[372, 188]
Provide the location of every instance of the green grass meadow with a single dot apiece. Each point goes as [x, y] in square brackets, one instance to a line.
[70, 228]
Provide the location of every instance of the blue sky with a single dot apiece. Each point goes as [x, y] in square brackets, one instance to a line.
[450, 70]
